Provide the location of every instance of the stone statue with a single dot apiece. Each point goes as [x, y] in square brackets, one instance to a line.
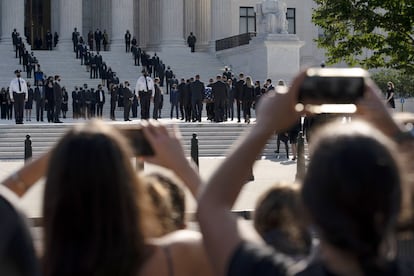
[272, 17]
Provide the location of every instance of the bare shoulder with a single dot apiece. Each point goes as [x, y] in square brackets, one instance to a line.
[186, 251]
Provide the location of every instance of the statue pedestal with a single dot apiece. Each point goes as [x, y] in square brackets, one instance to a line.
[274, 56]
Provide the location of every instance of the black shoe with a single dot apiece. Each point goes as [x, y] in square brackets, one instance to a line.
[58, 122]
[276, 151]
[294, 158]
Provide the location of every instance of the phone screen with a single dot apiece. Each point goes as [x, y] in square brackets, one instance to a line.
[138, 142]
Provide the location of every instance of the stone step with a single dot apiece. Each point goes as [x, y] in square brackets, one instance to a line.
[213, 140]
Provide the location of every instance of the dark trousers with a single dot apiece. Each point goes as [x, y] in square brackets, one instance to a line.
[230, 109]
[187, 111]
[145, 99]
[197, 108]
[127, 110]
[219, 110]
[247, 109]
[238, 105]
[40, 105]
[58, 108]
[156, 110]
[181, 106]
[113, 106]
[50, 113]
[4, 109]
[174, 106]
[18, 106]
[100, 109]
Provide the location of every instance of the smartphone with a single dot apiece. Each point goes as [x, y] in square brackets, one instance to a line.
[332, 85]
[137, 141]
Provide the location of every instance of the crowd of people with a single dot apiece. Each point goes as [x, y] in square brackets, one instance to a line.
[102, 217]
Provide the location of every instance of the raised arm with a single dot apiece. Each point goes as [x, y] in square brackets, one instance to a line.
[276, 112]
[24, 178]
[169, 153]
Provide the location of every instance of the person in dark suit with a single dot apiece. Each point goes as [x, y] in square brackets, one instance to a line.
[100, 99]
[247, 99]
[49, 40]
[191, 41]
[55, 39]
[128, 97]
[90, 40]
[93, 102]
[168, 78]
[3, 103]
[181, 88]
[219, 89]
[114, 98]
[58, 97]
[75, 103]
[127, 38]
[238, 95]
[187, 100]
[197, 91]
[28, 106]
[75, 39]
[98, 39]
[49, 100]
[157, 99]
[65, 100]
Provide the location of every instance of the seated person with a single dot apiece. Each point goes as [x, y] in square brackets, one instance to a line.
[351, 194]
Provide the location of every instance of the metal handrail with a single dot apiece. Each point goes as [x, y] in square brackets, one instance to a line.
[234, 41]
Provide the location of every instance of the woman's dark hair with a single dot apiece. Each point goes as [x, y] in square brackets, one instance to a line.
[92, 220]
[352, 191]
[277, 219]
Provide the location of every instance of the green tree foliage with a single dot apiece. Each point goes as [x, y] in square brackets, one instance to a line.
[404, 82]
[367, 33]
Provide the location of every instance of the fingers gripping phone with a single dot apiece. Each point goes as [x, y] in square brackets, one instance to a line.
[137, 141]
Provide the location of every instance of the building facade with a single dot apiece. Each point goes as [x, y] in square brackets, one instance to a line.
[157, 24]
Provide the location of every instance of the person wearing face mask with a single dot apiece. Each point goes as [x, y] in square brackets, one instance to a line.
[58, 96]
[18, 95]
[145, 90]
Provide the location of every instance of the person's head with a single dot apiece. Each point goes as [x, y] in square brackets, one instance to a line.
[218, 77]
[269, 82]
[278, 218]
[390, 85]
[197, 77]
[249, 81]
[352, 192]
[241, 76]
[257, 83]
[144, 72]
[169, 202]
[157, 80]
[93, 205]
[17, 73]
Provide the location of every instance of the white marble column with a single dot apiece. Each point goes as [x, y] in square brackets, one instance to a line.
[172, 23]
[12, 17]
[155, 24]
[189, 18]
[122, 20]
[143, 23]
[220, 20]
[203, 30]
[70, 18]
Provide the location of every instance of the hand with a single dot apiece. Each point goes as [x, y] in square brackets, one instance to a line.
[167, 147]
[276, 109]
